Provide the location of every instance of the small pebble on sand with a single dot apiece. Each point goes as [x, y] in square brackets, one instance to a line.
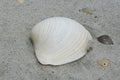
[88, 10]
[20, 1]
[105, 39]
[104, 62]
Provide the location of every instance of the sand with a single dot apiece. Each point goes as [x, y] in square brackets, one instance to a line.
[17, 58]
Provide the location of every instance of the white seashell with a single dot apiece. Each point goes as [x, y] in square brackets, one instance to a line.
[59, 40]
